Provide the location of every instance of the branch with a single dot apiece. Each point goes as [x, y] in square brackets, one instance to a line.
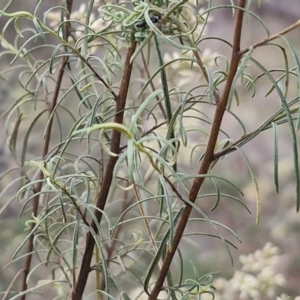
[201, 65]
[209, 154]
[39, 185]
[278, 116]
[271, 38]
[81, 281]
[100, 78]
[5, 297]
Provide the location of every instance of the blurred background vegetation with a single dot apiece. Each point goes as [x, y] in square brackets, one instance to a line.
[279, 224]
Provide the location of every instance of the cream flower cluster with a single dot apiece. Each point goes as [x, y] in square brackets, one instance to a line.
[258, 278]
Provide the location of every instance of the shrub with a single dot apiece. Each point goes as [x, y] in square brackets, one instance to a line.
[118, 122]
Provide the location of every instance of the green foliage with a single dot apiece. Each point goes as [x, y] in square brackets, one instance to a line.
[116, 131]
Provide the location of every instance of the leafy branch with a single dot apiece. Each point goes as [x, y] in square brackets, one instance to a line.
[38, 187]
[157, 111]
[209, 153]
[84, 271]
[40, 25]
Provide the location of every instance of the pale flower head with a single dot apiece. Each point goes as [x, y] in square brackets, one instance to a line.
[283, 297]
[54, 18]
[80, 14]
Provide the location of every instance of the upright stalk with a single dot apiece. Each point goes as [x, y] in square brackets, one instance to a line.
[38, 187]
[77, 292]
[209, 154]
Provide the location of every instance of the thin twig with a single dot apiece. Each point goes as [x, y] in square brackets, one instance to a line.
[271, 38]
[101, 79]
[11, 284]
[232, 147]
[251, 135]
[209, 154]
[77, 292]
[201, 65]
[39, 185]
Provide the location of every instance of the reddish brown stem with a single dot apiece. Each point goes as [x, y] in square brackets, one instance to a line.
[38, 187]
[77, 292]
[209, 154]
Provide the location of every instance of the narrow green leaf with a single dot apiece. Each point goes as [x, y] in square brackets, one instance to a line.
[160, 252]
[169, 207]
[27, 135]
[295, 55]
[14, 136]
[238, 75]
[212, 223]
[285, 106]
[275, 140]
[38, 28]
[217, 193]
[181, 264]
[251, 171]
[4, 190]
